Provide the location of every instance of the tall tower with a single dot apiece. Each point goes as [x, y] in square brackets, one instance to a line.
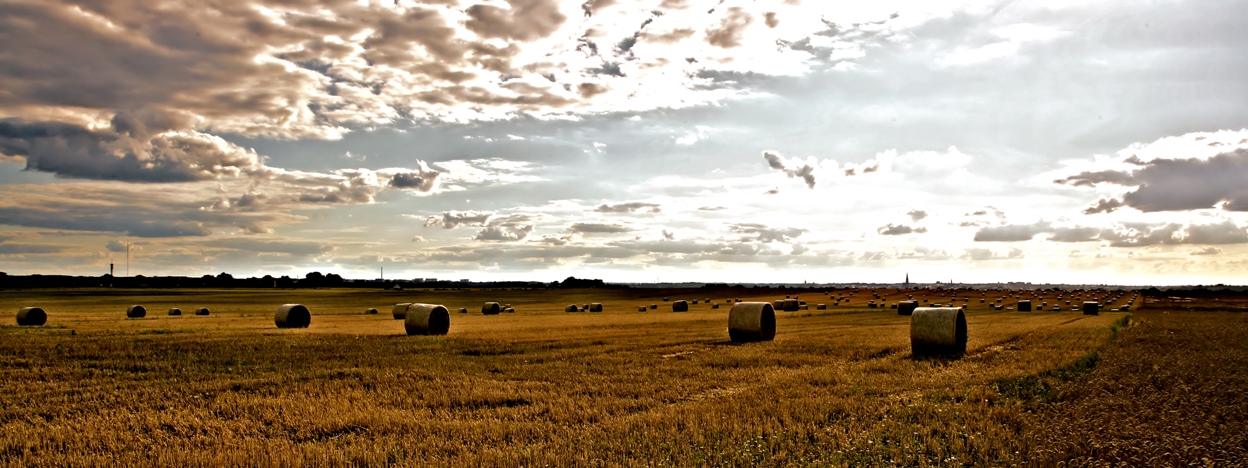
[907, 279]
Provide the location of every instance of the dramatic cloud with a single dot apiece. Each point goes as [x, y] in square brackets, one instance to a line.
[424, 179]
[630, 207]
[506, 229]
[1175, 184]
[793, 167]
[899, 229]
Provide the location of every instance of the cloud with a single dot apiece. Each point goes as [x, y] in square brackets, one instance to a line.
[980, 255]
[115, 246]
[279, 246]
[509, 228]
[28, 249]
[898, 229]
[1074, 234]
[1164, 184]
[418, 239]
[712, 208]
[767, 234]
[453, 219]
[792, 167]
[630, 207]
[671, 236]
[1012, 232]
[424, 179]
[731, 29]
[599, 228]
[1207, 251]
[1104, 205]
[917, 215]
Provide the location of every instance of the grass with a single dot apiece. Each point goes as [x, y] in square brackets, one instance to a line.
[539, 387]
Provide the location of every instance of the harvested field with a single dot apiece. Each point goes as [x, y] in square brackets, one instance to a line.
[538, 387]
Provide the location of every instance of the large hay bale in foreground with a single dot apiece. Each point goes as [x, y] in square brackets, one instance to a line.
[906, 307]
[1024, 306]
[491, 308]
[400, 310]
[427, 319]
[175, 311]
[1091, 308]
[571, 308]
[595, 307]
[292, 316]
[31, 316]
[680, 306]
[752, 321]
[136, 311]
[201, 311]
[937, 331]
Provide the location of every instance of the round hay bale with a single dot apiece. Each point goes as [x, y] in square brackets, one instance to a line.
[695, 302]
[595, 307]
[791, 305]
[427, 319]
[463, 310]
[1126, 308]
[1024, 306]
[751, 321]
[1091, 308]
[31, 316]
[571, 308]
[641, 308]
[906, 307]
[509, 310]
[370, 311]
[491, 308]
[175, 311]
[665, 299]
[201, 311]
[292, 316]
[821, 307]
[777, 305]
[714, 306]
[400, 310]
[136, 311]
[654, 306]
[680, 306]
[936, 331]
[804, 307]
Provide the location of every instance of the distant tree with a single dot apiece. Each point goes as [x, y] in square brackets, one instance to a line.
[314, 276]
[333, 278]
[225, 276]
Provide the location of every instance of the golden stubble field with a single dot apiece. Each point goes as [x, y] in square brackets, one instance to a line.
[538, 387]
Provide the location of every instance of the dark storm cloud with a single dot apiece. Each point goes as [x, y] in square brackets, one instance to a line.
[1175, 184]
[630, 207]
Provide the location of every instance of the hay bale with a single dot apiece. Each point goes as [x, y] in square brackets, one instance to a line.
[791, 305]
[370, 311]
[936, 331]
[571, 308]
[1091, 308]
[695, 302]
[680, 306]
[1126, 308]
[654, 306]
[509, 310]
[31, 316]
[906, 307]
[1024, 306]
[641, 308]
[201, 311]
[804, 307]
[491, 308]
[463, 310]
[595, 307]
[427, 319]
[175, 311]
[292, 316]
[400, 310]
[751, 321]
[714, 306]
[665, 299]
[136, 311]
[821, 307]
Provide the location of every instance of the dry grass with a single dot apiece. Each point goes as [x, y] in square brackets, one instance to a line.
[540, 387]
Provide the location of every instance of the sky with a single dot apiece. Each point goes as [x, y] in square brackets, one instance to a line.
[632, 141]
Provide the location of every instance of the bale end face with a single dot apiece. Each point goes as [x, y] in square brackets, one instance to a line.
[400, 310]
[31, 316]
[136, 311]
[906, 307]
[491, 308]
[1091, 308]
[751, 321]
[427, 319]
[292, 316]
[937, 331]
[1024, 306]
[175, 311]
[201, 311]
[571, 308]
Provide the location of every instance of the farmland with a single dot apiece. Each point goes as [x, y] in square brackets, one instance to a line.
[545, 387]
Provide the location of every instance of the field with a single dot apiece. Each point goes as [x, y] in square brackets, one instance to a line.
[837, 387]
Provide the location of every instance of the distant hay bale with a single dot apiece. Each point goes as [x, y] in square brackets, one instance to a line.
[906, 307]
[201, 311]
[463, 310]
[738, 299]
[751, 321]
[491, 308]
[714, 306]
[31, 316]
[791, 305]
[1126, 308]
[509, 310]
[804, 307]
[595, 307]
[1091, 308]
[136, 311]
[654, 306]
[370, 311]
[777, 305]
[292, 316]
[427, 319]
[892, 306]
[665, 299]
[821, 307]
[1024, 306]
[695, 302]
[175, 311]
[571, 308]
[680, 306]
[937, 331]
[641, 308]
[400, 310]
